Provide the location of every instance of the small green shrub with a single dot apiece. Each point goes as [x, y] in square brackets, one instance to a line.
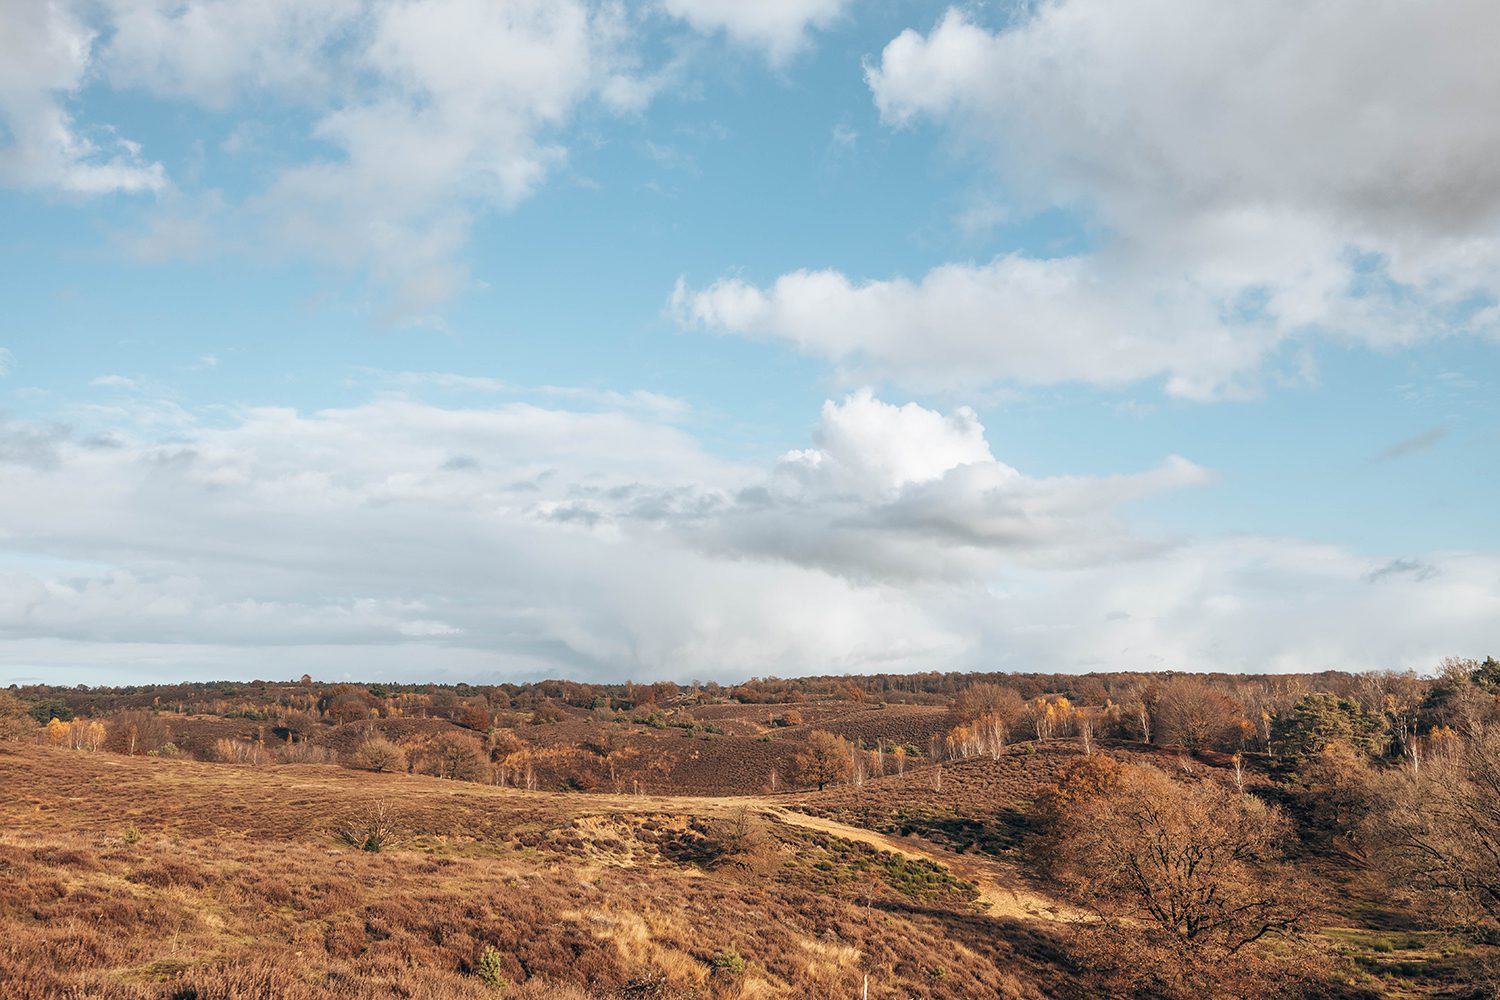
[490, 970]
[730, 960]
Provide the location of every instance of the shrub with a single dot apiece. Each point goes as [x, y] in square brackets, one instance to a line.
[490, 970]
[376, 753]
[729, 960]
[375, 829]
[304, 753]
[230, 751]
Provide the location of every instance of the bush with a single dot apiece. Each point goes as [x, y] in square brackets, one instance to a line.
[376, 753]
[375, 829]
[305, 753]
[231, 751]
[729, 960]
[490, 970]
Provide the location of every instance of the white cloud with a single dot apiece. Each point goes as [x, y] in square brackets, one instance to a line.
[45, 52]
[217, 50]
[874, 446]
[1375, 116]
[7, 359]
[1015, 319]
[402, 538]
[1258, 176]
[779, 28]
[427, 117]
[469, 95]
[1249, 604]
[115, 382]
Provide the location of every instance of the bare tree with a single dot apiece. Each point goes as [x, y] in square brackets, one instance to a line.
[1191, 713]
[1196, 863]
[458, 758]
[1435, 834]
[135, 732]
[978, 700]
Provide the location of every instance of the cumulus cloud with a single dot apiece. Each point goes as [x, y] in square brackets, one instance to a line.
[461, 115]
[45, 53]
[1374, 115]
[1257, 177]
[423, 117]
[403, 538]
[1016, 319]
[780, 28]
[216, 50]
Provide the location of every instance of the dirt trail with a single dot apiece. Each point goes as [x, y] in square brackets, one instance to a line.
[998, 884]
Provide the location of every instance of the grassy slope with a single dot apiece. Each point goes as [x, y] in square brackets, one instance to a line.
[133, 878]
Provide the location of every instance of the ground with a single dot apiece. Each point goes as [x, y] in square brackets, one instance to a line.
[135, 877]
[682, 876]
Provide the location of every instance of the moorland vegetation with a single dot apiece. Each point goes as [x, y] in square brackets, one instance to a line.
[931, 835]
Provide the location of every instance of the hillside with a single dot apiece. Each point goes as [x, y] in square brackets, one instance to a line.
[1129, 837]
[136, 878]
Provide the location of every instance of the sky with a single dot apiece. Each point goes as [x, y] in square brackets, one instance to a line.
[492, 340]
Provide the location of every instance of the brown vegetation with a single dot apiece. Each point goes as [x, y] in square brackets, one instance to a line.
[1328, 835]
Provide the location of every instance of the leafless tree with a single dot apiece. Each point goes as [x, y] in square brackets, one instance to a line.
[1435, 830]
[1197, 864]
[1191, 713]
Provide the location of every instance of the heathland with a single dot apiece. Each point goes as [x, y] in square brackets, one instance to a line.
[944, 836]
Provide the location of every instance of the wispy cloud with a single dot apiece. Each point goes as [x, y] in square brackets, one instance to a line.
[1414, 445]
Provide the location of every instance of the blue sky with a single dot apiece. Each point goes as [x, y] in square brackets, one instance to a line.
[695, 338]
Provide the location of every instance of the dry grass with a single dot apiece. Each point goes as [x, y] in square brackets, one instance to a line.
[136, 878]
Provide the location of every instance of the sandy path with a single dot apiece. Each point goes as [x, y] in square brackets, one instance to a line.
[998, 884]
